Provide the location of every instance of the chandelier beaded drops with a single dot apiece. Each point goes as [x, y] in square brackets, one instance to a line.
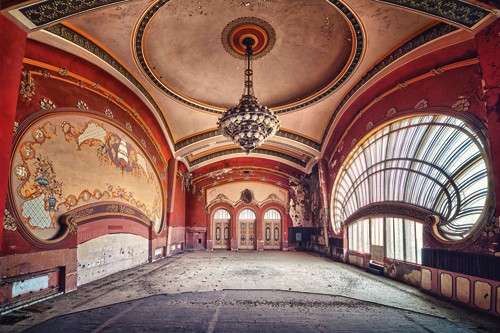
[248, 124]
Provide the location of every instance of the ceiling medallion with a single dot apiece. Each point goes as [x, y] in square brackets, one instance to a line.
[237, 30]
[248, 124]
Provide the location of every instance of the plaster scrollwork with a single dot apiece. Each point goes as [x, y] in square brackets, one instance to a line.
[47, 104]
[225, 199]
[422, 104]
[391, 112]
[437, 71]
[461, 105]
[247, 196]
[16, 128]
[82, 105]
[9, 223]
[63, 71]
[108, 113]
[369, 126]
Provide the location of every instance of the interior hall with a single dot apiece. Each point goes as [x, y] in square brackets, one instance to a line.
[250, 166]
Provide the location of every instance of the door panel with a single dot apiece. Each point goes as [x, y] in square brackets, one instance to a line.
[221, 235]
[272, 234]
[246, 239]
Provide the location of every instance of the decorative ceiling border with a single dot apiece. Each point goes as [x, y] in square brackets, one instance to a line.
[281, 133]
[255, 151]
[428, 35]
[46, 12]
[454, 11]
[302, 151]
[74, 37]
[298, 138]
[141, 60]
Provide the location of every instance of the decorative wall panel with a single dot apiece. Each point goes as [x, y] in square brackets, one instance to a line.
[64, 161]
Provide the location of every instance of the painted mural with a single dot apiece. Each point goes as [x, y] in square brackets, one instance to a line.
[63, 162]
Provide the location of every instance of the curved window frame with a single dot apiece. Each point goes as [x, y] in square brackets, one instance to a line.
[222, 214]
[430, 122]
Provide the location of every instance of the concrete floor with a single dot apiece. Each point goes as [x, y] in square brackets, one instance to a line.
[329, 291]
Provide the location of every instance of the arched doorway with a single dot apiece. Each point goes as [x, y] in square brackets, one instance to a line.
[221, 226]
[246, 229]
[272, 229]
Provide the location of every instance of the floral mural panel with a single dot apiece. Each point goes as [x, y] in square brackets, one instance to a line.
[62, 162]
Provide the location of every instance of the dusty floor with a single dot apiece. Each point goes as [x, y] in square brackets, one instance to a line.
[253, 271]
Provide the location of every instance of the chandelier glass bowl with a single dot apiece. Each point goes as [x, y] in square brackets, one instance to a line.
[248, 124]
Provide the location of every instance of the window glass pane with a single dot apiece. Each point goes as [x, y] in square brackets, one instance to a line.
[377, 231]
[247, 214]
[366, 236]
[389, 235]
[419, 235]
[410, 246]
[350, 236]
[272, 214]
[398, 239]
[436, 162]
[222, 214]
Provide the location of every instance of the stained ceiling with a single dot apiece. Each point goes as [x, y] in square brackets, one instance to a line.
[173, 55]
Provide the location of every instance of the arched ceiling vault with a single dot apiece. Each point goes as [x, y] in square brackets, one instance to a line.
[172, 54]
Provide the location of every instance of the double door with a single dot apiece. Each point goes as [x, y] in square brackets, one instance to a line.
[246, 233]
[221, 235]
[272, 234]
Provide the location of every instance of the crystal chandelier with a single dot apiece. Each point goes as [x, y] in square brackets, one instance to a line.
[249, 123]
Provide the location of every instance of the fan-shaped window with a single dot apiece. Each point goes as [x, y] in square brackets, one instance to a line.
[272, 214]
[433, 162]
[247, 214]
[222, 214]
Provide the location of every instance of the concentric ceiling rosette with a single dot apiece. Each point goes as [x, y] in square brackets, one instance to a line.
[237, 30]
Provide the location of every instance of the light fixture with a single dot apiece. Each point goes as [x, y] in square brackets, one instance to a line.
[249, 123]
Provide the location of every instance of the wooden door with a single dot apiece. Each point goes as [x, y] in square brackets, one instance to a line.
[246, 240]
[221, 229]
[272, 229]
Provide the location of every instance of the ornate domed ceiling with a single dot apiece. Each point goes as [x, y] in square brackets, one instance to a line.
[181, 58]
[192, 64]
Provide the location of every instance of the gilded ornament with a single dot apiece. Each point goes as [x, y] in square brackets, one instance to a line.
[82, 105]
[391, 112]
[369, 126]
[47, 104]
[63, 72]
[22, 173]
[422, 104]
[16, 127]
[45, 74]
[27, 86]
[437, 71]
[461, 105]
[247, 196]
[108, 113]
[9, 223]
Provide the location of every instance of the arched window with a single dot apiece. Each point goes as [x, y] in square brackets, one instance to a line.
[437, 163]
[272, 214]
[222, 214]
[247, 214]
